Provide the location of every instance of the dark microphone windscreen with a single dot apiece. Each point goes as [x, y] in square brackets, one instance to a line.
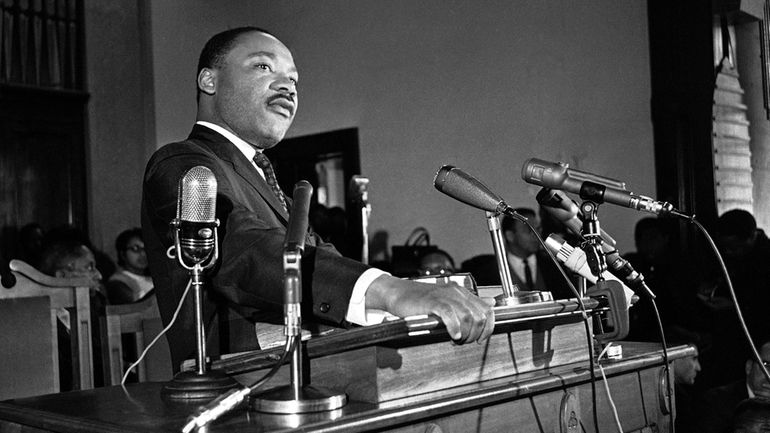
[463, 187]
[197, 196]
[298, 217]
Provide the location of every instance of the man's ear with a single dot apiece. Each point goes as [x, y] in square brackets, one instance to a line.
[207, 81]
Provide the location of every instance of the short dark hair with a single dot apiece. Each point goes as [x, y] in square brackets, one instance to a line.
[737, 222]
[217, 47]
[508, 221]
[121, 242]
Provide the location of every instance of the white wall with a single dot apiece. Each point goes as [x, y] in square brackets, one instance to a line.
[481, 85]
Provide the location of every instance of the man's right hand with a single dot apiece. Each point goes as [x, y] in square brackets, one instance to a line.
[466, 316]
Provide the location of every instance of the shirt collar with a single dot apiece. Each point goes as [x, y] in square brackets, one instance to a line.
[248, 150]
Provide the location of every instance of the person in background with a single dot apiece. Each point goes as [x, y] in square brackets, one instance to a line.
[531, 267]
[131, 282]
[436, 262]
[685, 372]
[69, 258]
[752, 416]
[717, 405]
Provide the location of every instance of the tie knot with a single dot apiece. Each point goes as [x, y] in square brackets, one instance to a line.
[262, 161]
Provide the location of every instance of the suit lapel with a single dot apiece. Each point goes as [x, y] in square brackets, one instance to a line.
[227, 151]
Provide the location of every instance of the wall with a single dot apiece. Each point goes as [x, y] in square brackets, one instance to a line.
[121, 134]
[483, 86]
[750, 69]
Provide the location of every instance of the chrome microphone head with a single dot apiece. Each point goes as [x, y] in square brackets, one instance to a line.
[197, 196]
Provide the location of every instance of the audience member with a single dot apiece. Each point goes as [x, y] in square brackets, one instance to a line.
[531, 268]
[131, 282]
[752, 416]
[717, 405]
[671, 276]
[746, 253]
[436, 262]
[685, 372]
[70, 233]
[67, 258]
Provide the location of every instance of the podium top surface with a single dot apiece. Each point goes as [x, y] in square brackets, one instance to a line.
[139, 407]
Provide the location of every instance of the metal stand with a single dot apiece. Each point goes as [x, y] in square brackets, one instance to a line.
[201, 384]
[511, 293]
[593, 239]
[296, 398]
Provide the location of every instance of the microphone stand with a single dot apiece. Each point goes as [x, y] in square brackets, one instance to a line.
[296, 398]
[366, 211]
[511, 294]
[358, 186]
[201, 384]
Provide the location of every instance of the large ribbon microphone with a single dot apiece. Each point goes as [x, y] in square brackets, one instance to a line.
[196, 223]
[463, 187]
[589, 186]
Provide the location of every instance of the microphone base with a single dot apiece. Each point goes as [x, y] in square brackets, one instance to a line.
[523, 297]
[189, 385]
[311, 399]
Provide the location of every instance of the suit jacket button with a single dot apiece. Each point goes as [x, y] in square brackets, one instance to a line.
[324, 307]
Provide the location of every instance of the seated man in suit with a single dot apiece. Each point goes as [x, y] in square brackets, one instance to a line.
[247, 99]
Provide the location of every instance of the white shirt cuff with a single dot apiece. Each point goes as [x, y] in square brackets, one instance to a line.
[357, 312]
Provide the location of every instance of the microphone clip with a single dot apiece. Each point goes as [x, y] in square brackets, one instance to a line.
[201, 249]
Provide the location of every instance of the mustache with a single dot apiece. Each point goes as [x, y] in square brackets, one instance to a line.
[286, 96]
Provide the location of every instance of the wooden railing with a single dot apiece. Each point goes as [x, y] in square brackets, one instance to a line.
[42, 43]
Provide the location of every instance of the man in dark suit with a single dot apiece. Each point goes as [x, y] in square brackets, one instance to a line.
[531, 268]
[247, 99]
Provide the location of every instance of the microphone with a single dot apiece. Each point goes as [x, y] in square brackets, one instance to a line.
[196, 215]
[566, 211]
[575, 260]
[298, 218]
[358, 188]
[294, 247]
[463, 187]
[589, 186]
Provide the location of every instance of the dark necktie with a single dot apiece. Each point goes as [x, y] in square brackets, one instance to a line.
[262, 162]
[528, 275]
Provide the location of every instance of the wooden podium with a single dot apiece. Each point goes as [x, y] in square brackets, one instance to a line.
[405, 376]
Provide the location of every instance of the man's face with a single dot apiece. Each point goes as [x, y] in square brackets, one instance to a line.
[523, 240]
[686, 369]
[134, 256]
[755, 377]
[735, 247]
[255, 89]
[83, 265]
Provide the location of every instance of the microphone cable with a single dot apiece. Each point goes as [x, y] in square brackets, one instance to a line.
[607, 389]
[589, 338]
[160, 334]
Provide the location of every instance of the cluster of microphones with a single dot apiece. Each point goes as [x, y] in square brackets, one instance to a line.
[555, 178]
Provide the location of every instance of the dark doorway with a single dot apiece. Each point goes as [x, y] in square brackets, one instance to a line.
[327, 160]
